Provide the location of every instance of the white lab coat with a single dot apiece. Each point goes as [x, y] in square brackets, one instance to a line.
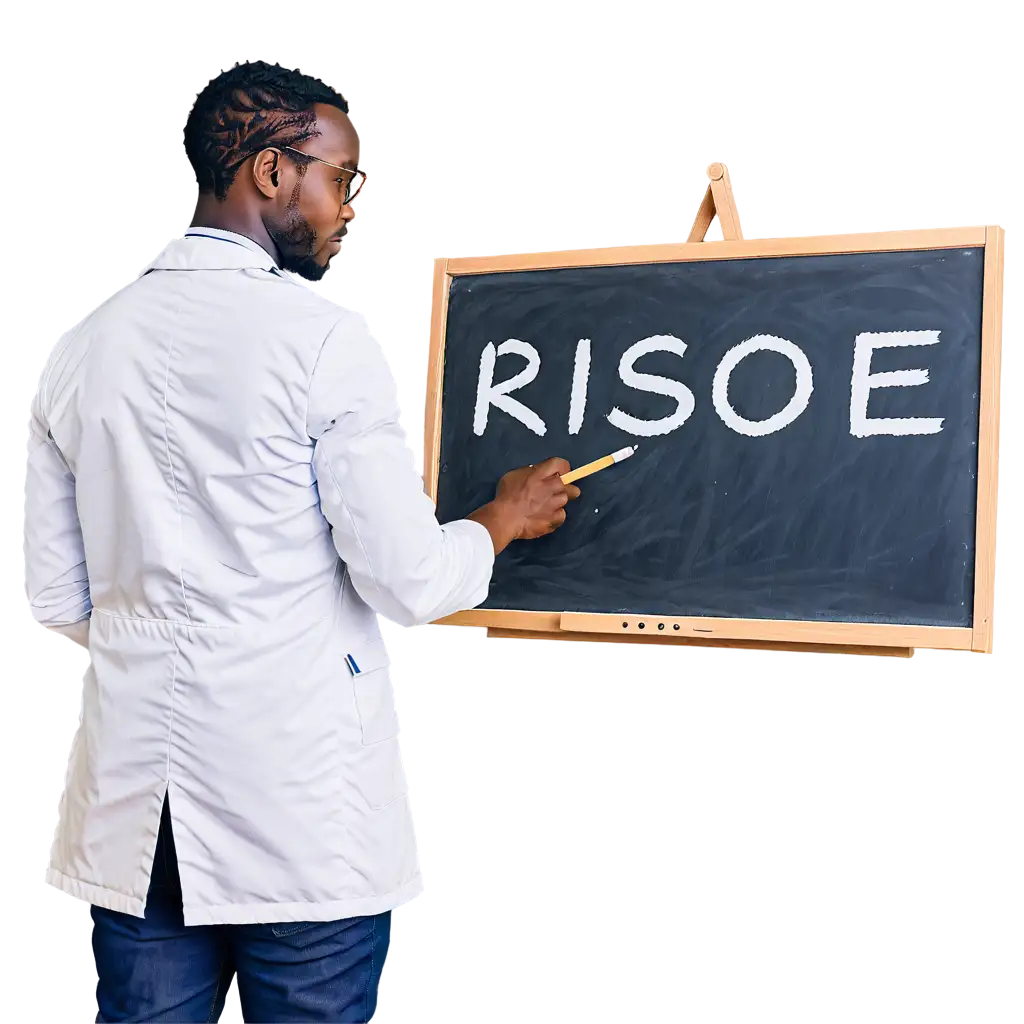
[219, 499]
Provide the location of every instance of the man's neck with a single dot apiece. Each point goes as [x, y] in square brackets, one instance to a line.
[213, 213]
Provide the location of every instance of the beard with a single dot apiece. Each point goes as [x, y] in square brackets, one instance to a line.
[296, 242]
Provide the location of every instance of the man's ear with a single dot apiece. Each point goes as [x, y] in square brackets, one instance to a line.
[266, 171]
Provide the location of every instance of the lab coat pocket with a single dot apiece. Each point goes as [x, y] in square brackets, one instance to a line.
[375, 700]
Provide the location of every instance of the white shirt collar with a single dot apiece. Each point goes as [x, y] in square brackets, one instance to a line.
[231, 238]
[203, 248]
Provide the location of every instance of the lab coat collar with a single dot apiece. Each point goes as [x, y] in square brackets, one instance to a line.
[204, 248]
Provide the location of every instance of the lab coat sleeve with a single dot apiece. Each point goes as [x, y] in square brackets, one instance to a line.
[400, 560]
[56, 578]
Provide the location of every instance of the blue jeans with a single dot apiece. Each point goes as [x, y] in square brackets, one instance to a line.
[156, 969]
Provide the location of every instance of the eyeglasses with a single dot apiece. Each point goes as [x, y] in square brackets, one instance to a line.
[358, 177]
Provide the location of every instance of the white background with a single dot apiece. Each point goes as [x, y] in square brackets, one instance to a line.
[542, 779]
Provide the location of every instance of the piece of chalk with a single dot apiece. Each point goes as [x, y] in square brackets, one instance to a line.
[598, 465]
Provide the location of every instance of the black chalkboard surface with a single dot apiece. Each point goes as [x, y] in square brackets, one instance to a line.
[807, 431]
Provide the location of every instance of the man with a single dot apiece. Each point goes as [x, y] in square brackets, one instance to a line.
[219, 499]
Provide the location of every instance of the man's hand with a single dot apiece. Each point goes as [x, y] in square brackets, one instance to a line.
[530, 502]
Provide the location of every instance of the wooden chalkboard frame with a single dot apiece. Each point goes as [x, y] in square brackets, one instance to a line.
[848, 637]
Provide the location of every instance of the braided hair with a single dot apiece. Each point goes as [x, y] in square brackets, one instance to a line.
[246, 109]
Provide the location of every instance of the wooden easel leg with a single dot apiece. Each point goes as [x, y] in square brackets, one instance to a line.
[705, 215]
[718, 199]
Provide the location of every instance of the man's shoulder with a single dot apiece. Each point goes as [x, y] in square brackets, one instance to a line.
[81, 329]
[280, 300]
[291, 298]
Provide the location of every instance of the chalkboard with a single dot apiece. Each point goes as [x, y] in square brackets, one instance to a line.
[807, 425]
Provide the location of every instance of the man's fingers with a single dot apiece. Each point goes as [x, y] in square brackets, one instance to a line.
[573, 491]
[553, 467]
